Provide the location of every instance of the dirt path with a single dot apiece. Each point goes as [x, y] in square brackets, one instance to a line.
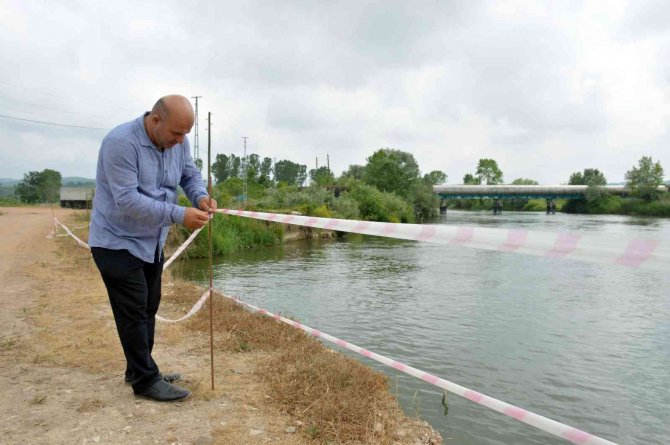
[61, 365]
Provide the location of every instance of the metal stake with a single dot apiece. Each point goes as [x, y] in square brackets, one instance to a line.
[211, 286]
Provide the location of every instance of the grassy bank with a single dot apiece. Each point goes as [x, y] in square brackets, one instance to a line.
[229, 234]
[616, 205]
[335, 398]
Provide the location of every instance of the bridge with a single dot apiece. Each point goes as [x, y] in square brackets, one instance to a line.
[497, 192]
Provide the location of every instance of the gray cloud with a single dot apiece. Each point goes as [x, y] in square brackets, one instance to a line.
[543, 88]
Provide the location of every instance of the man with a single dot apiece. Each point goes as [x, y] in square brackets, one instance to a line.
[140, 165]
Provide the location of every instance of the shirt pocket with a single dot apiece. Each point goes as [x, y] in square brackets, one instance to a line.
[149, 174]
[172, 171]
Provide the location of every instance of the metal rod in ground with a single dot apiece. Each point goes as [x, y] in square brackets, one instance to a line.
[209, 187]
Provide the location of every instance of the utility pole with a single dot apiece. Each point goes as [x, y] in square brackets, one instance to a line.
[328, 161]
[317, 162]
[244, 170]
[196, 138]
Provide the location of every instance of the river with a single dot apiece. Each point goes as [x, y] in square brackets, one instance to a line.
[584, 344]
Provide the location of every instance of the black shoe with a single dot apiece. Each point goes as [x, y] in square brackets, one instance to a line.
[170, 378]
[163, 391]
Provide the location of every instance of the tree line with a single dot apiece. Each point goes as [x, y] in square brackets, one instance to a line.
[388, 187]
[642, 181]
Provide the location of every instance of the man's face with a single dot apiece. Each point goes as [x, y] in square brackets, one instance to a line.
[171, 130]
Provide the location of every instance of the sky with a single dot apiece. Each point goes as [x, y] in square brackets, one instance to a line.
[544, 88]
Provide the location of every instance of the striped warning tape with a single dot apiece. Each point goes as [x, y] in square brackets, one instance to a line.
[196, 307]
[643, 253]
[561, 430]
[569, 433]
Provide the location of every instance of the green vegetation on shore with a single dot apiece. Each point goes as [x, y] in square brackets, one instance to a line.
[643, 181]
[388, 188]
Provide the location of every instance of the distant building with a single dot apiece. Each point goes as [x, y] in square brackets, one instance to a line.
[76, 197]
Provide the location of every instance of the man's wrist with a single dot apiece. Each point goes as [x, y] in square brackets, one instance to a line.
[200, 198]
[177, 214]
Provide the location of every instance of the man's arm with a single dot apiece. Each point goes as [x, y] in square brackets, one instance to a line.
[191, 179]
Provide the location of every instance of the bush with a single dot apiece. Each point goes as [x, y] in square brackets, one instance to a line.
[374, 205]
[639, 207]
[535, 205]
[288, 198]
[345, 207]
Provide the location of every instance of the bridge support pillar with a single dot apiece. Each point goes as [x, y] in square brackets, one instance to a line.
[443, 207]
[551, 206]
[497, 206]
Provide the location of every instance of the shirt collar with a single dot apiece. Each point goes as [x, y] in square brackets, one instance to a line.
[142, 132]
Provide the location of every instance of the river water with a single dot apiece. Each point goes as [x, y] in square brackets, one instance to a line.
[584, 344]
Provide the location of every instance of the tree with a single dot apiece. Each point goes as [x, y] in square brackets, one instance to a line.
[643, 180]
[591, 176]
[488, 171]
[470, 179]
[426, 203]
[290, 172]
[253, 166]
[322, 176]
[48, 186]
[221, 168]
[354, 171]
[27, 190]
[265, 170]
[198, 164]
[524, 181]
[235, 164]
[391, 171]
[41, 186]
[435, 177]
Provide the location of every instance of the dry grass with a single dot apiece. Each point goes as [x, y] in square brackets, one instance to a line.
[336, 398]
[330, 397]
[90, 405]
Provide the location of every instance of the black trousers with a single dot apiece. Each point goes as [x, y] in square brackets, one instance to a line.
[134, 289]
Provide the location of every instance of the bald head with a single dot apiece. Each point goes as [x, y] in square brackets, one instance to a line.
[174, 103]
[171, 118]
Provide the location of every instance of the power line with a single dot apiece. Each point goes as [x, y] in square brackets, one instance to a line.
[51, 123]
[97, 103]
[50, 107]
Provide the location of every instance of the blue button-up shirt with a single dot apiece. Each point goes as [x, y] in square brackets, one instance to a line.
[136, 191]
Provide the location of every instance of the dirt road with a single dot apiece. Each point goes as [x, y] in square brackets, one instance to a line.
[61, 366]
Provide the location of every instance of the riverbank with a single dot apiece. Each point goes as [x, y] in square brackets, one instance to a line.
[606, 205]
[62, 366]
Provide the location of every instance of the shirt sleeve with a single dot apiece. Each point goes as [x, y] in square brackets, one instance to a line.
[120, 164]
[191, 179]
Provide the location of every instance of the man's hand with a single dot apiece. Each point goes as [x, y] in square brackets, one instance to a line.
[203, 204]
[194, 218]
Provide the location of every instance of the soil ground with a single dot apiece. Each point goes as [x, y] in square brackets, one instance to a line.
[61, 365]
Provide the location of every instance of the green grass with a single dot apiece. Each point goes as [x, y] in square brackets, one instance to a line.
[230, 233]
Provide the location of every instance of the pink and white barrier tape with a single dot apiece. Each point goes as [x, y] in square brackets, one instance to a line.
[643, 253]
[550, 426]
[545, 424]
[196, 307]
[80, 242]
[181, 249]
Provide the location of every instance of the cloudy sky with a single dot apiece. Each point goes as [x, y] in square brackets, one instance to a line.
[544, 88]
